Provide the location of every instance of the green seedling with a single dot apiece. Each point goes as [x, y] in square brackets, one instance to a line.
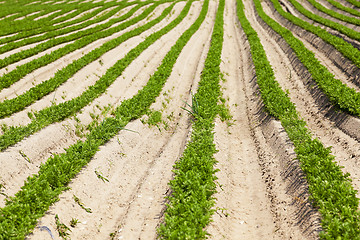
[74, 222]
[99, 175]
[1, 187]
[24, 156]
[77, 200]
[61, 228]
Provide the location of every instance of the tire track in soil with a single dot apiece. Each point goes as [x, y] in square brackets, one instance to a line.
[133, 199]
[345, 148]
[254, 194]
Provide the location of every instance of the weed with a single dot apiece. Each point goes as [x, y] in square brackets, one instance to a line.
[100, 176]
[77, 200]
[61, 228]
[24, 156]
[74, 222]
[194, 107]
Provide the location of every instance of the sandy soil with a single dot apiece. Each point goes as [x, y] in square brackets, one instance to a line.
[341, 67]
[103, 101]
[261, 190]
[138, 164]
[344, 147]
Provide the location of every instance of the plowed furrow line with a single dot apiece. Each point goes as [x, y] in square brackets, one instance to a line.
[341, 9]
[243, 209]
[81, 38]
[267, 198]
[333, 25]
[16, 44]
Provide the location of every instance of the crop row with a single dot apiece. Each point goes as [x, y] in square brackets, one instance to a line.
[331, 191]
[345, 48]
[61, 111]
[191, 202]
[334, 14]
[339, 93]
[354, 2]
[326, 22]
[91, 34]
[50, 30]
[343, 8]
[21, 212]
[15, 75]
[10, 26]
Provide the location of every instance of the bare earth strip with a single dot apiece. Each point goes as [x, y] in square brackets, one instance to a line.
[138, 166]
[252, 199]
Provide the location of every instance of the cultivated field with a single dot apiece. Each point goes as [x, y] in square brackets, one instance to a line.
[218, 119]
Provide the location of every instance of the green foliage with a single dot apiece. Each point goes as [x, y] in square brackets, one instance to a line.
[154, 118]
[343, 8]
[190, 205]
[334, 14]
[100, 176]
[61, 111]
[77, 200]
[331, 190]
[340, 44]
[74, 222]
[326, 22]
[193, 108]
[338, 93]
[61, 228]
[21, 212]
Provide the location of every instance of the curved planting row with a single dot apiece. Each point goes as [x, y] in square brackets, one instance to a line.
[327, 183]
[339, 93]
[354, 2]
[59, 29]
[24, 69]
[334, 14]
[40, 191]
[93, 33]
[343, 47]
[64, 110]
[344, 8]
[11, 26]
[67, 163]
[331, 24]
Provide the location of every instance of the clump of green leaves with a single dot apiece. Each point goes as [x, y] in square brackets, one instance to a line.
[190, 204]
[155, 117]
[61, 228]
[193, 108]
[74, 222]
[331, 190]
